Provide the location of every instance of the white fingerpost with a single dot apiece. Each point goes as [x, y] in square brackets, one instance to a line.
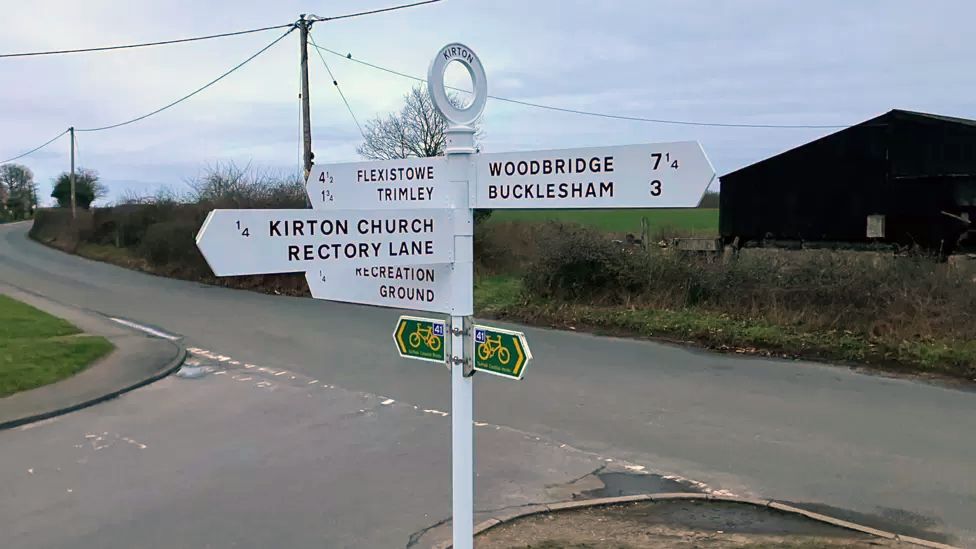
[460, 166]
[399, 233]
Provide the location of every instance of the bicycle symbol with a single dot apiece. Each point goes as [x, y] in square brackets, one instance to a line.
[492, 346]
[428, 335]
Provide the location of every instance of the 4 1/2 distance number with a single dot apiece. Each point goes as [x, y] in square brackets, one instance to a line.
[326, 178]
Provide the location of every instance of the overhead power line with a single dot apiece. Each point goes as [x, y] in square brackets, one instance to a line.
[315, 18]
[349, 57]
[290, 26]
[146, 44]
[194, 92]
[208, 36]
[35, 149]
[338, 89]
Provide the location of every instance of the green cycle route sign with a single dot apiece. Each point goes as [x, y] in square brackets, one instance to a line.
[500, 352]
[420, 338]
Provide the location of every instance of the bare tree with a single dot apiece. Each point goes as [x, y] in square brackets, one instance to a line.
[416, 131]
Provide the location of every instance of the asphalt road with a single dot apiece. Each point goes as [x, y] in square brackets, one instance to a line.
[896, 453]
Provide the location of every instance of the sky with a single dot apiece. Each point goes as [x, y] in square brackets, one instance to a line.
[830, 62]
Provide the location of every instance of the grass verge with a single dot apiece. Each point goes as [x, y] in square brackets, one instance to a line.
[502, 297]
[37, 348]
[695, 220]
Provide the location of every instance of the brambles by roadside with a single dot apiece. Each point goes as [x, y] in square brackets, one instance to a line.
[157, 234]
[501, 297]
[908, 313]
[37, 348]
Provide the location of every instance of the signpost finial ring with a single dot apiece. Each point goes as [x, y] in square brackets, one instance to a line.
[435, 84]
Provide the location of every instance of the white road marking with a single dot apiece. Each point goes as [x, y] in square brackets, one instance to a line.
[146, 329]
[140, 445]
[386, 401]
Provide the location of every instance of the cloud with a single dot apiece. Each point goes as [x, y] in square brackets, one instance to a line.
[762, 61]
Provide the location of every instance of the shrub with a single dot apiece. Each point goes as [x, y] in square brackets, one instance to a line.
[886, 297]
[170, 242]
[578, 263]
[56, 227]
[507, 246]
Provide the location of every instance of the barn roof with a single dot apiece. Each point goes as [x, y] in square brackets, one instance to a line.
[893, 115]
[937, 117]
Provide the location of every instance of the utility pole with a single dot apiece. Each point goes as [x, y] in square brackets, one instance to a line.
[74, 212]
[303, 26]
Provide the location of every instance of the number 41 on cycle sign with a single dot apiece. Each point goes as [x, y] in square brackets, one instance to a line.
[500, 352]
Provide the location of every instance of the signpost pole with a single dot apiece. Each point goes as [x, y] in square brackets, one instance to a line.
[462, 437]
[459, 151]
[460, 147]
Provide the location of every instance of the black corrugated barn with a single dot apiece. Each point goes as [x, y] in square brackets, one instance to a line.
[913, 173]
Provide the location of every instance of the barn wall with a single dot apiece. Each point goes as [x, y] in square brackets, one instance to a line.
[905, 166]
[820, 191]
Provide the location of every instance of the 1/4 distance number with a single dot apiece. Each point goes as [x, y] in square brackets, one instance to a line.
[657, 157]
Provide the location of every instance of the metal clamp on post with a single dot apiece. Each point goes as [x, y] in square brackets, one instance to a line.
[467, 370]
[468, 347]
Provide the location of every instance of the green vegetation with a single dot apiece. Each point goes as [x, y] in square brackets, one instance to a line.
[37, 348]
[906, 313]
[87, 189]
[18, 192]
[902, 312]
[501, 297]
[692, 221]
